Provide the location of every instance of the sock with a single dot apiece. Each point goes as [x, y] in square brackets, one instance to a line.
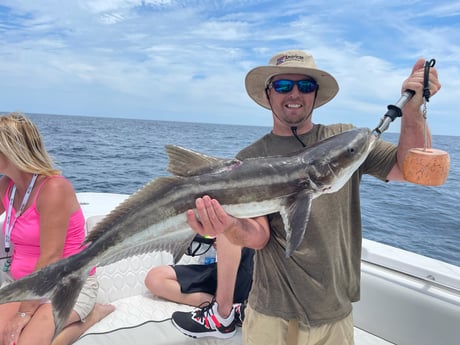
[225, 321]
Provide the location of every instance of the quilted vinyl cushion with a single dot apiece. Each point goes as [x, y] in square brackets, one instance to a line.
[125, 278]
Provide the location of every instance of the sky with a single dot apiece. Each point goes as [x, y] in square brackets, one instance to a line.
[186, 60]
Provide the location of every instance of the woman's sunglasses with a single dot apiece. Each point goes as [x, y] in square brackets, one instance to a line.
[286, 85]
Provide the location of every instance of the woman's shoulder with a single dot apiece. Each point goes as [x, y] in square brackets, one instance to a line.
[54, 188]
[56, 194]
[56, 182]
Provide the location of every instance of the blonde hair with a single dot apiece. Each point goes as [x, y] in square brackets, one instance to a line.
[22, 144]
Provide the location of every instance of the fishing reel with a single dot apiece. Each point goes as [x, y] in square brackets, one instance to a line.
[425, 166]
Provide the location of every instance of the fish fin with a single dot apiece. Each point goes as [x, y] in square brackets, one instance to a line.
[295, 214]
[184, 162]
[129, 204]
[174, 242]
[64, 298]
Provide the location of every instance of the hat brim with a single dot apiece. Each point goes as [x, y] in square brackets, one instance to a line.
[256, 82]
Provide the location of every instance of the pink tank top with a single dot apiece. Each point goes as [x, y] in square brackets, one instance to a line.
[25, 235]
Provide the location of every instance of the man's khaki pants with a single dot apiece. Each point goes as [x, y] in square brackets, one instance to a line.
[260, 329]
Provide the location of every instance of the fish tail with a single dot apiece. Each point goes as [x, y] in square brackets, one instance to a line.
[64, 298]
[58, 282]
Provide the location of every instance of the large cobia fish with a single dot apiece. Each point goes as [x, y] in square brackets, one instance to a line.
[153, 218]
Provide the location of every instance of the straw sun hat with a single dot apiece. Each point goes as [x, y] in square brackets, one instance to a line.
[294, 62]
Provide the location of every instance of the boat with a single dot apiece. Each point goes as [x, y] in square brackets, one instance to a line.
[406, 298]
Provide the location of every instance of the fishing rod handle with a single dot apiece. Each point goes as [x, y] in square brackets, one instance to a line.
[405, 97]
[394, 111]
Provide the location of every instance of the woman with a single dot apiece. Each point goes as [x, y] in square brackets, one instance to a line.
[43, 223]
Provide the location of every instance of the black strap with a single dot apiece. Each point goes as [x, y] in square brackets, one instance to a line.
[202, 247]
[426, 79]
[294, 133]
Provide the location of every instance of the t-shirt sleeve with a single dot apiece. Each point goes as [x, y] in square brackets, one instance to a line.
[380, 160]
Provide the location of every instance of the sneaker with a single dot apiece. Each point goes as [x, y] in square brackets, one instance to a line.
[239, 313]
[204, 322]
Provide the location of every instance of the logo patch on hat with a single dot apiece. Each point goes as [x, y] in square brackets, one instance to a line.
[287, 58]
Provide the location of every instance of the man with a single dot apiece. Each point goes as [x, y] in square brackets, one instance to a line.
[218, 289]
[307, 298]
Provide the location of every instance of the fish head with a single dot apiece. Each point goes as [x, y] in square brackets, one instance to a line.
[331, 162]
[325, 168]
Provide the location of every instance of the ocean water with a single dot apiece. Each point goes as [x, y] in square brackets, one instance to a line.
[121, 155]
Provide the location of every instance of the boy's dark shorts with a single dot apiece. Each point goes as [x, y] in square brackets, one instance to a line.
[203, 278]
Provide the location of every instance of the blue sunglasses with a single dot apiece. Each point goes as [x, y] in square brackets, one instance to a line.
[286, 85]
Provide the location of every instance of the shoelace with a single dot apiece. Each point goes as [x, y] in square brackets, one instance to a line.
[204, 313]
